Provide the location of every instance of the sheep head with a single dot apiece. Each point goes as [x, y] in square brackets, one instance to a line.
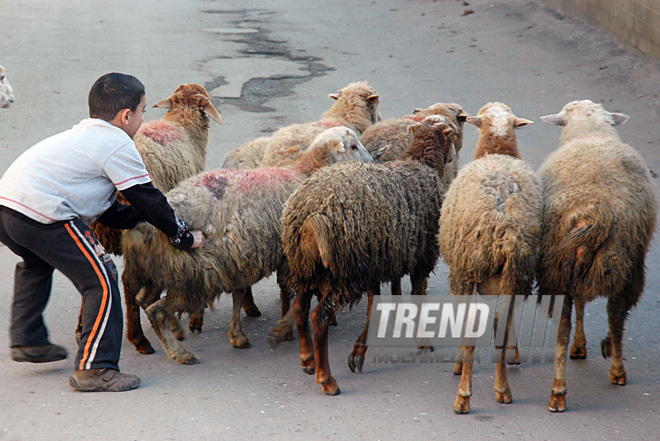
[433, 141]
[6, 91]
[496, 123]
[585, 110]
[357, 105]
[337, 144]
[191, 96]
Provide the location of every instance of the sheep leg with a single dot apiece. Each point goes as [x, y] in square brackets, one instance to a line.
[158, 315]
[458, 366]
[356, 359]
[134, 301]
[249, 306]
[612, 345]
[196, 319]
[579, 348]
[283, 330]
[502, 389]
[301, 306]
[332, 320]
[320, 322]
[557, 401]
[237, 337]
[462, 403]
[419, 285]
[79, 326]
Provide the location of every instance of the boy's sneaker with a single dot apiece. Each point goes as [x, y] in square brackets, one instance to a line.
[38, 354]
[103, 380]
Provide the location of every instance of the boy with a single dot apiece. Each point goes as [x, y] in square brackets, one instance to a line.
[48, 196]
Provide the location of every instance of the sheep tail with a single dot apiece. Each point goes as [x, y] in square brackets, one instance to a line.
[588, 231]
[314, 244]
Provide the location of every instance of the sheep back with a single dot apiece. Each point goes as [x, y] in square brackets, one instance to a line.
[287, 144]
[599, 217]
[355, 225]
[491, 223]
[247, 155]
[168, 152]
[239, 211]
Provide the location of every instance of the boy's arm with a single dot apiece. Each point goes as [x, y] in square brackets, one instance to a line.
[153, 206]
[121, 216]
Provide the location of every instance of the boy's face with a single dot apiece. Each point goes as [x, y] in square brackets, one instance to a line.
[134, 120]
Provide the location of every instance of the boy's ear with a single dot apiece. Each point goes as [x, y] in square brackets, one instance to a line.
[123, 115]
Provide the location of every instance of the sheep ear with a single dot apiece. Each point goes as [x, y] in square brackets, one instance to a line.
[556, 119]
[164, 104]
[474, 120]
[413, 128]
[334, 96]
[372, 99]
[213, 113]
[462, 116]
[521, 122]
[416, 111]
[619, 118]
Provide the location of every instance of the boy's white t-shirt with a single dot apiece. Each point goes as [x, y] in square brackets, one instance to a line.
[74, 174]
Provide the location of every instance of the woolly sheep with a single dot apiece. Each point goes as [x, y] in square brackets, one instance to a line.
[599, 217]
[239, 210]
[247, 155]
[490, 228]
[352, 226]
[356, 107]
[6, 91]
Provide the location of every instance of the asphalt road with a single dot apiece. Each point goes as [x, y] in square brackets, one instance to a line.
[268, 64]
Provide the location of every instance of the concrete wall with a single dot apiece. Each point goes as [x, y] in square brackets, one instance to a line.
[636, 23]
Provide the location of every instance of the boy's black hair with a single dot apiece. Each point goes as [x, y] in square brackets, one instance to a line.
[112, 93]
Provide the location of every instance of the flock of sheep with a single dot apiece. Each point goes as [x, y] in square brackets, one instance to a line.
[338, 206]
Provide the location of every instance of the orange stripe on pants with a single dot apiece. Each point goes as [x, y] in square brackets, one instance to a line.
[106, 293]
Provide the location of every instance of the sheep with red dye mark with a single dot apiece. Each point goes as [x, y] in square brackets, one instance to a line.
[490, 228]
[6, 91]
[599, 217]
[240, 212]
[351, 227]
[355, 107]
[172, 148]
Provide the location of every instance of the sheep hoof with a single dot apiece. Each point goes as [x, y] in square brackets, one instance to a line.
[618, 379]
[308, 370]
[462, 405]
[146, 351]
[579, 352]
[425, 349]
[239, 344]
[504, 397]
[606, 348]
[190, 361]
[275, 337]
[330, 387]
[355, 362]
[557, 402]
[458, 368]
[253, 311]
[194, 328]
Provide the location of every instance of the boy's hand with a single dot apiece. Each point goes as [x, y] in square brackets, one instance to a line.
[198, 239]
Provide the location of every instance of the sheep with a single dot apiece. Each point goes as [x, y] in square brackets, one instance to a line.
[240, 211]
[599, 217]
[356, 107]
[6, 91]
[173, 148]
[490, 227]
[388, 140]
[352, 226]
[247, 155]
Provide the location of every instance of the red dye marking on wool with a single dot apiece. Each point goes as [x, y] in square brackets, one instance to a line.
[263, 178]
[163, 133]
[328, 123]
[416, 118]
